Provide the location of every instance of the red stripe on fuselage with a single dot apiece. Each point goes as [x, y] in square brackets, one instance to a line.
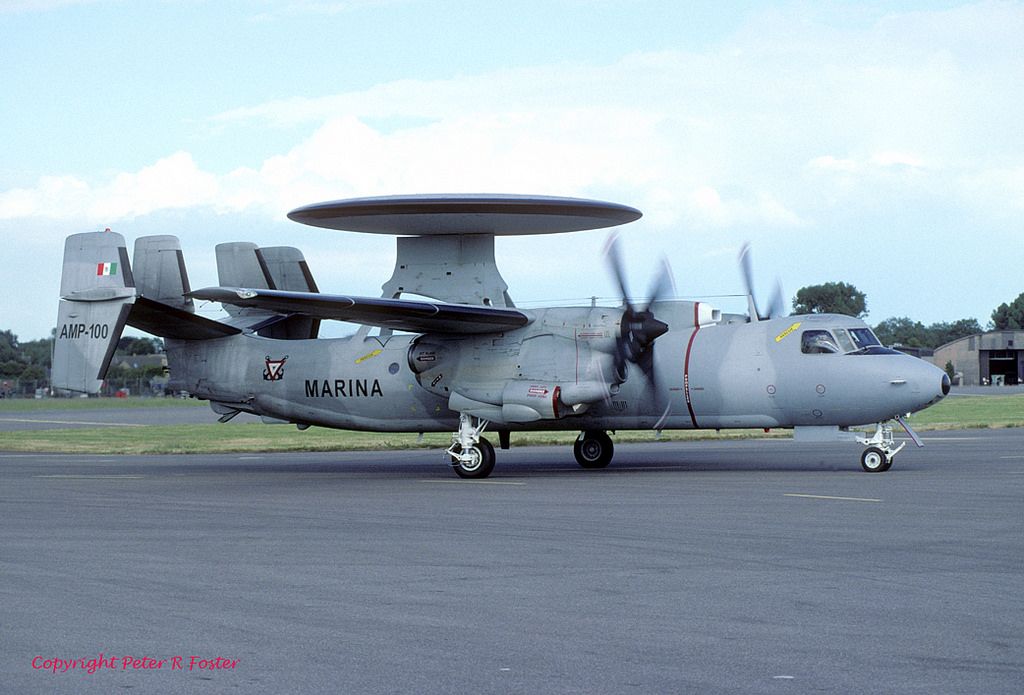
[686, 364]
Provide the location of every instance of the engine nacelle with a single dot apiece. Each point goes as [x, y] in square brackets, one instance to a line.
[425, 355]
[526, 401]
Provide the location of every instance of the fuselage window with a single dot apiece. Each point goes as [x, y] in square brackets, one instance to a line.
[818, 343]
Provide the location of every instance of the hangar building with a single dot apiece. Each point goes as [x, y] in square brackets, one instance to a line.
[996, 358]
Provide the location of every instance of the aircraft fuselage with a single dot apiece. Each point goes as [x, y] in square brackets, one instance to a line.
[553, 374]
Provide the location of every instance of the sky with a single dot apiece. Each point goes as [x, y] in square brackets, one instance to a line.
[876, 143]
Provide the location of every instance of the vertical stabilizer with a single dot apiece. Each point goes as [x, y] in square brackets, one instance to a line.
[287, 268]
[288, 271]
[160, 271]
[97, 291]
[245, 265]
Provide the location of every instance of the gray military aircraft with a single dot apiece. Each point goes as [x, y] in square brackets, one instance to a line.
[465, 358]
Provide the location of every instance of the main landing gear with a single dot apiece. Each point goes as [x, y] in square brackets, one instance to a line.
[593, 449]
[472, 455]
[881, 449]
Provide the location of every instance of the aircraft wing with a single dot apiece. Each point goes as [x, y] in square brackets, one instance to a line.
[420, 316]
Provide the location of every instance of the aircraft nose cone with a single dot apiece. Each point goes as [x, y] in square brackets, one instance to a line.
[920, 384]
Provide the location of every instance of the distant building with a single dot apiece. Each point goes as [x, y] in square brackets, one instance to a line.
[996, 358]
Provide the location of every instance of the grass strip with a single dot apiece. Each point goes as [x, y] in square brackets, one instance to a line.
[961, 412]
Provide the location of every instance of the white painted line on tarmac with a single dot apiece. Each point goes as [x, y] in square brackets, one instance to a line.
[472, 482]
[829, 497]
[90, 477]
[1011, 457]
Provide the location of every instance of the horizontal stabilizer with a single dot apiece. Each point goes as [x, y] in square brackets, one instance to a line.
[169, 321]
[400, 314]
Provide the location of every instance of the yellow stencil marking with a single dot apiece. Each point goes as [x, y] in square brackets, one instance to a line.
[368, 356]
[780, 336]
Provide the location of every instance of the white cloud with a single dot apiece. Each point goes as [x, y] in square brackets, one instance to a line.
[172, 182]
[787, 118]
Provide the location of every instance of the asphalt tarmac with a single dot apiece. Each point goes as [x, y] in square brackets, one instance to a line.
[762, 566]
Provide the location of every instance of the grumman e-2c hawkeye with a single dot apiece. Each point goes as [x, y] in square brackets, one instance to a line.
[466, 358]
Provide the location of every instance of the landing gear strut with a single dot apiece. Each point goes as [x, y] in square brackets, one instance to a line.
[593, 449]
[881, 448]
[472, 455]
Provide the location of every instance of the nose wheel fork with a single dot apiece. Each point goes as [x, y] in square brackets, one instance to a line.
[472, 455]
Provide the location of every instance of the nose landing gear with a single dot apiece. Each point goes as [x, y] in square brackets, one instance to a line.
[881, 448]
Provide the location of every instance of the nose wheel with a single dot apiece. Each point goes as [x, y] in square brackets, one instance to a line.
[875, 460]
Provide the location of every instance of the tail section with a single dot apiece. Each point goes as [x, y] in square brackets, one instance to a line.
[97, 291]
[100, 296]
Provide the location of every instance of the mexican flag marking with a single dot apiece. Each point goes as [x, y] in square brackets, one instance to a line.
[106, 269]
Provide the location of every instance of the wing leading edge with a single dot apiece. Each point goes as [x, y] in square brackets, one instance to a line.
[401, 314]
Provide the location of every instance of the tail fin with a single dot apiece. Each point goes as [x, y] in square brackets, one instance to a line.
[160, 271]
[97, 292]
[161, 307]
[244, 264]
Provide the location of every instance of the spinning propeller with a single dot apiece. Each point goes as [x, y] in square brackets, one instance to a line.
[776, 307]
[639, 327]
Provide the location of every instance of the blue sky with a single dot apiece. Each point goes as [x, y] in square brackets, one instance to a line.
[874, 143]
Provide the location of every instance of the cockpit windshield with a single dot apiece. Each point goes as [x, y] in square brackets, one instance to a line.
[844, 341]
[863, 337]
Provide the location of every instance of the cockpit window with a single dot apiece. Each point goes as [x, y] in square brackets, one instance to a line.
[844, 340]
[866, 343]
[863, 337]
[818, 342]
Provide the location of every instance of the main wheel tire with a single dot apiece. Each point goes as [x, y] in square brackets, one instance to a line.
[594, 449]
[874, 460]
[481, 464]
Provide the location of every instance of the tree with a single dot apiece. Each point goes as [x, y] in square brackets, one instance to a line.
[36, 352]
[942, 333]
[139, 346]
[902, 331]
[8, 346]
[831, 298]
[1009, 317]
[908, 333]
